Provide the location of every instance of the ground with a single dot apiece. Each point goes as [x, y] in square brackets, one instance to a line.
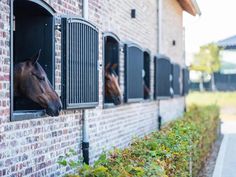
[227, 103]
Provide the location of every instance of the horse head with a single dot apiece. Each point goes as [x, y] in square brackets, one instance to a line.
[30, 81]
[112, 86]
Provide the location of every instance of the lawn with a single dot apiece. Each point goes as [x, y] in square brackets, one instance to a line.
[226, 101]
[223, 99]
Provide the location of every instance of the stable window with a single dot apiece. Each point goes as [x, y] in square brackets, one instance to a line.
[79, 64]
[146, 75]
[176, 79]
[111, 64]
[185, 81]
[133, 73]
[32, 29]
[162, 81]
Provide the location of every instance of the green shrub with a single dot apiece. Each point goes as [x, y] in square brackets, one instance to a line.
[178, 150]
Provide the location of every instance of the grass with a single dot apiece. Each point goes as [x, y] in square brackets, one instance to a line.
[226, 101]
[223, 99]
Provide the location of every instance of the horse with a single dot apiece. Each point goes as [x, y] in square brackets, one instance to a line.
[31, 82]
[146, 91]
[112, 87]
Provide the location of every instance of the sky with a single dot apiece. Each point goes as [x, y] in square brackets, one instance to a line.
[217, 22]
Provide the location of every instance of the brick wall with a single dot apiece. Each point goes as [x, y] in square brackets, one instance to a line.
[172, 29]
[4, 61]
[32, 147]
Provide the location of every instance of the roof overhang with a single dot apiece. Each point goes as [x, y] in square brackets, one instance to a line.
[228, 43]
[190, 6]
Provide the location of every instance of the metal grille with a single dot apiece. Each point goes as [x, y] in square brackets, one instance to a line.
[80, 63]
[185, 81]
[133, 73]
[176, 79]
[162, 77]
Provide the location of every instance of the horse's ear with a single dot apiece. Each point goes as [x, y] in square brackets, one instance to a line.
[35, 58]
[114, 66]
[107, 66]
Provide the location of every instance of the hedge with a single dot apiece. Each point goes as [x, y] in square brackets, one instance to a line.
[178, 150]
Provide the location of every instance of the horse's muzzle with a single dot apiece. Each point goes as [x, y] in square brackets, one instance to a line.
[54, 109]
[117, 100]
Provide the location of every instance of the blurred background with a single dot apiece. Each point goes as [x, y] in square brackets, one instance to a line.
[211, 46]
[211, 56]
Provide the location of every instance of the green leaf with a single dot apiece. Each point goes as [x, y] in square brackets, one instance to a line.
[62, 162]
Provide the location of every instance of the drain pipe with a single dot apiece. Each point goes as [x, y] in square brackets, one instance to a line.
[85, 124]
[160, 26]
[159, 116]
[85, 143]
[159, 17]
[85, 9]
[185, 104]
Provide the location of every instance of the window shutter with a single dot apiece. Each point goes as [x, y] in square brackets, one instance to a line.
[176, 79]
[185, 81]
[133, 73]
[80, 63]
[162, 82]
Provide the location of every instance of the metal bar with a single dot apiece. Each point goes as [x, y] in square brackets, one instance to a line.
[87, 59]
[89, 64]
[92, 58]
[96, 65]
[69, 62]
[80, 66]
[83, 66]
[76, 63]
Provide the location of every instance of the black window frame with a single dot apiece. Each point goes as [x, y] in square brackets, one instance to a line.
[29, 114]
[127, 97]
[114, 37]
[160, 80]
[94, 77]
[147, 70]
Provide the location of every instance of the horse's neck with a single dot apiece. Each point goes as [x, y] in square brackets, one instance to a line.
[17, 80]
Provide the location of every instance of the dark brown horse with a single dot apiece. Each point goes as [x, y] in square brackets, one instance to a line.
[30, 81]
[112, 87]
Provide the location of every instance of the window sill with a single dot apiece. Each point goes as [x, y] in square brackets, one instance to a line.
[163, 98]
[26, 115]
[148, 100]
[177, 96]
[110, 105]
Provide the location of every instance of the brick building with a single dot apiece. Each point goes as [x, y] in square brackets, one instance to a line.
[30, 141]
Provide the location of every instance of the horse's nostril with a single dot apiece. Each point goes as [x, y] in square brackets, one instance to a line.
[57, 113]
[117, 101]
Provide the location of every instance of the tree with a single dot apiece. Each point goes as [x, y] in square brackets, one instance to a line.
[207, 61]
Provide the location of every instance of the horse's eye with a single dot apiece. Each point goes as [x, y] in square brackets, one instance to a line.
[42, 78]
